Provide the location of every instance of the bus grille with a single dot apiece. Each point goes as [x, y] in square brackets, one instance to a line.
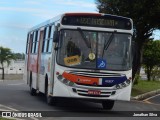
[84, 92]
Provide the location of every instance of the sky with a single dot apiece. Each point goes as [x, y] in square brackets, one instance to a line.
[18, 16]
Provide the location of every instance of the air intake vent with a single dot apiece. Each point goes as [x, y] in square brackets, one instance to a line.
[95, 74]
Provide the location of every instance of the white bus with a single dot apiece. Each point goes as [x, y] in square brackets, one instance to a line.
[81, 56]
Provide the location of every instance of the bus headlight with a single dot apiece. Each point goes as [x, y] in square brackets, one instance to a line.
[128, 81]
[60, 77]
[68, 82]
[123, 85]
[118, 86]
[71, 83]
[64, 80]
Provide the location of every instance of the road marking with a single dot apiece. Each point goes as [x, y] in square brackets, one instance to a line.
[17, 84]
[8, 107]
[146, 102]
[151, 103]
[4, 110]
[151, 97]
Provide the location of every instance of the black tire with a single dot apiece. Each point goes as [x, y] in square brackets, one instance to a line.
[49, 99]
[32, 90]
[108, 105]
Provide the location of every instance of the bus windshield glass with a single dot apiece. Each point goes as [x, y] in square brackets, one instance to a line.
[95, 50]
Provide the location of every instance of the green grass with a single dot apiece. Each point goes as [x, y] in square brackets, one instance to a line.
[145, 86]
[6, 119]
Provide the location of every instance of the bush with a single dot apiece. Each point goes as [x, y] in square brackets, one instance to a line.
[136, 79]
[155, 74]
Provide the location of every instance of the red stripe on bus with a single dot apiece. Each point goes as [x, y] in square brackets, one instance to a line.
[81, 79]
[82, 14]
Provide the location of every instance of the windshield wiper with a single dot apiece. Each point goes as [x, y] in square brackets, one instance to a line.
[106, 45]
[84, 38]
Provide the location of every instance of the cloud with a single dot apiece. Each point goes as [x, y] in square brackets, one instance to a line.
[31, 2]
[16, 26]
[156, 35]
[21, 9]
[75, 3]
[32, 11]
[15, 43]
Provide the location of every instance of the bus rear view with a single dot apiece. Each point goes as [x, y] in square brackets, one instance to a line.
[91, 59]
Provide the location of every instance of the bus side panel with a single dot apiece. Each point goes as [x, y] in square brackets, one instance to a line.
[40, 75]
[44, 71]
[33, 63]
[27, 59]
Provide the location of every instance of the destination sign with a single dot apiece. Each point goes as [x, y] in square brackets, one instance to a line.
[98, 21]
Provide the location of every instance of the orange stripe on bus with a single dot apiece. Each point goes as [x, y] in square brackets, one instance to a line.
[80, 79]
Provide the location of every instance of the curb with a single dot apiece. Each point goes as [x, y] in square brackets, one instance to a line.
[146, 95]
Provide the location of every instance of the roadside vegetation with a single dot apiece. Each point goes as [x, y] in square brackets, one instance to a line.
[6, 56]
[144, 86]
[6, 119]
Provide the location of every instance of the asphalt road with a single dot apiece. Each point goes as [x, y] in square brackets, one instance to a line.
[153, 100]
[14, 95]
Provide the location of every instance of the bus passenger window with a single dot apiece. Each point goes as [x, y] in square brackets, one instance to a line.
[36, 43]
[50, 45]
[38, 36]
[27, 45]
[46, 34]
[52, 31]
[31, 42]
[45, 46]
[49, 33]
[33, 47]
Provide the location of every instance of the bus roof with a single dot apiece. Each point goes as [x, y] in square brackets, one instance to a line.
[59, 17]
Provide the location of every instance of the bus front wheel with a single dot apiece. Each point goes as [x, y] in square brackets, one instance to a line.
[50, 100]
[108, 105]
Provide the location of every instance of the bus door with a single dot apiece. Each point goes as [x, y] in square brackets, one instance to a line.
[41, 36]
[29, 46]
[52, 61]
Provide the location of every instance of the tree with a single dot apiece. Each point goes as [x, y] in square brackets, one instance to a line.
[20, 56]
[151, 56]
[145, 15]
[5, 56]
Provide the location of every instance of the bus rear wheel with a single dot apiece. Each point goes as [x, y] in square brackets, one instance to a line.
[32, 90]
[108, 104]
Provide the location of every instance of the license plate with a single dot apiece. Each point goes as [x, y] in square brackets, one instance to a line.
[94, 92]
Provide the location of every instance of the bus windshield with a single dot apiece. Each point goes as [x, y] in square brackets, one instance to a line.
[95, 50]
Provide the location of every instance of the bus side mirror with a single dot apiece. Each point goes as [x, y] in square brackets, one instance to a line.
[56, 34]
